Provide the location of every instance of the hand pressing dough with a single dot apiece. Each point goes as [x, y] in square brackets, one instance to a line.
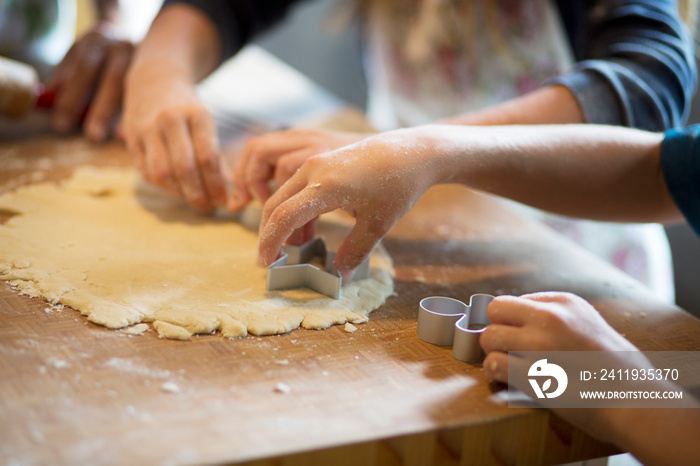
[121, 253]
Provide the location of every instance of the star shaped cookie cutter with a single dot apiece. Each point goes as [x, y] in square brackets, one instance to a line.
[447, 321]
[293, 270]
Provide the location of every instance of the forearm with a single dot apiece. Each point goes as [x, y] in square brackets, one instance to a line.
[548, 105]
[596, 172]
[182, 40]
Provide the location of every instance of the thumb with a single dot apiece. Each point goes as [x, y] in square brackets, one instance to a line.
[357, 246]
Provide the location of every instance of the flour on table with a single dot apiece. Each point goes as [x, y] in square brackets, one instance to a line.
[121, 253]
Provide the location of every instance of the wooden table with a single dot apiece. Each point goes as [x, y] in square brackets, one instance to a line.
[72, 392]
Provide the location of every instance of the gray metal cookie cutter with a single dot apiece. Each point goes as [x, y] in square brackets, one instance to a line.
[293, 270]
[448, 321]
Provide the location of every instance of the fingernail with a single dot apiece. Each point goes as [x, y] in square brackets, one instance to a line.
[264, 263]
[346, 275]
[97, 132]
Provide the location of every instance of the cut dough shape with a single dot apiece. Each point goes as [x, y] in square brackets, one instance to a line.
[122, 252]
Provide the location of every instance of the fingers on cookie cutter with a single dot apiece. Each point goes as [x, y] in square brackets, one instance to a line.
[447, 321]
[293, 270]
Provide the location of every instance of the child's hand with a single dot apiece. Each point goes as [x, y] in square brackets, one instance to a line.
[277, 156]
[554, 321]
[377, 180]
[550, 321]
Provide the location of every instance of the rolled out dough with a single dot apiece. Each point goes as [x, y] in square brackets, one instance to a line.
[121, 253]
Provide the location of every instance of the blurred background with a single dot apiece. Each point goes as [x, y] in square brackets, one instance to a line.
[318, 40]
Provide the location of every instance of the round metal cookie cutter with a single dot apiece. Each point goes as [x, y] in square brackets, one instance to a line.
[447, 321]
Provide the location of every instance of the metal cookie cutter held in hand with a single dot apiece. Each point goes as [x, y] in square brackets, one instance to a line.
[447, 321]
[293, 270]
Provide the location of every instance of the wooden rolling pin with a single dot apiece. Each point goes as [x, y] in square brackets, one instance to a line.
[20, 89]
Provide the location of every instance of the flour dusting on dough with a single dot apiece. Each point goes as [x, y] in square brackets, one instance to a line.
[122, 253]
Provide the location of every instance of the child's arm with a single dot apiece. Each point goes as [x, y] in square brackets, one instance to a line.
[598, 172]
[635, 68]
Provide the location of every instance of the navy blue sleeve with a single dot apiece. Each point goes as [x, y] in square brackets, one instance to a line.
[680, 160]
[636, 63]
[238, 20]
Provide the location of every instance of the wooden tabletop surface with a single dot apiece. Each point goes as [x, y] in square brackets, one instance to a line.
[72, 392]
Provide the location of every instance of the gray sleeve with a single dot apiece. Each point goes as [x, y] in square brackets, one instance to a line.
[636, 66]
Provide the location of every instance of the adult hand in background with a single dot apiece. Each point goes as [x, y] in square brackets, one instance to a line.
[91, 74]
[172, 135]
